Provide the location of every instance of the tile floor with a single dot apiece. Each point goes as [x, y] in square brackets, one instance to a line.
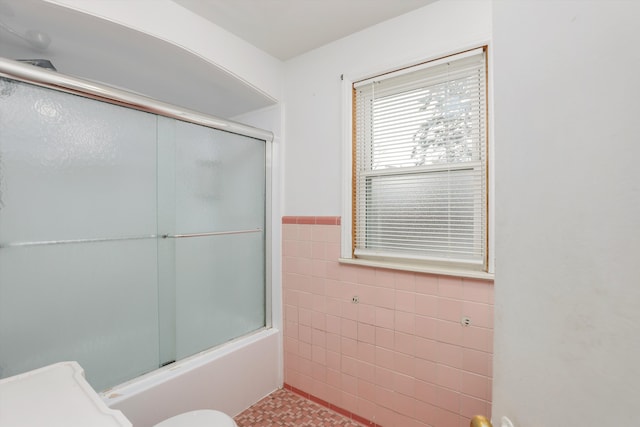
[287, 409]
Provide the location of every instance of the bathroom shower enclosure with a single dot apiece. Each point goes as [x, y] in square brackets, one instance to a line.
[132, 233]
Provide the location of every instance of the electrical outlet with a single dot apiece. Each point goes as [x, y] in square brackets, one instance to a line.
[466, 321]
[355, 299]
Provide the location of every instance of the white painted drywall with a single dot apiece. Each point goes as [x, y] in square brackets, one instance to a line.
[568, 213]
[313, 97]
[168, 21]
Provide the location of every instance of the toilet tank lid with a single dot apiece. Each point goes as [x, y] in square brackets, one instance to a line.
[55, 396]
[199, 418]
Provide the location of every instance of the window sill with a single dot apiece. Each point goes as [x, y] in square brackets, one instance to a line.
[444, 271]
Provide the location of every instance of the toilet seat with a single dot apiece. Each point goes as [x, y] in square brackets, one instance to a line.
[199, 418]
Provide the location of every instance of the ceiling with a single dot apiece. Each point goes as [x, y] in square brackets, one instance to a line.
[96, 49]
[287, 28]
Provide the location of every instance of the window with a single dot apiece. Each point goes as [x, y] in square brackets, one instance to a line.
[420, 163]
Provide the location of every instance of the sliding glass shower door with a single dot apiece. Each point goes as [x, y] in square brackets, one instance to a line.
[127, 240]
[212, 222]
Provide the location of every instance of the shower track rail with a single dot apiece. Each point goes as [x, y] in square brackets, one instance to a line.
[212, 233]
[116, 239]
[101, 92]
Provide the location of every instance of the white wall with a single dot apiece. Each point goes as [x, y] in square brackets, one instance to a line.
[168, 21]
[313, 97]
[568, 213]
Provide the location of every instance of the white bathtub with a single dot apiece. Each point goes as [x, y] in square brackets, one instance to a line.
[229, 378]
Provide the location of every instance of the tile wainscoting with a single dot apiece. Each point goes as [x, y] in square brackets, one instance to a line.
[400, 356]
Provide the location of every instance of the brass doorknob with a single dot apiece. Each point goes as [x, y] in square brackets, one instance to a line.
[480, 421]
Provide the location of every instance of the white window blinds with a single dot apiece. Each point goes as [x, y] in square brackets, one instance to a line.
[420, 162]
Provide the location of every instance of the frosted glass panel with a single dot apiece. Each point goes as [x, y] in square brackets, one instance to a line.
[220, 290]
[91, 302]
[73, 168]
[219, 180]
[97, 262]
[220, 279]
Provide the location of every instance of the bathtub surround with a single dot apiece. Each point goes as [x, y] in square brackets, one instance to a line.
[229, 379]
[383, 347]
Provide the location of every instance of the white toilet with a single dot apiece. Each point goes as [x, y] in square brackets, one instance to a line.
[199, 418]
[47, 396]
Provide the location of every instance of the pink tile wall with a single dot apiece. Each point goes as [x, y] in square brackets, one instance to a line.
[400, 357]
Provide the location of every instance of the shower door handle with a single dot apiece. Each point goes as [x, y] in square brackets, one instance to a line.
[75, 241]
[212, 233]
[121, 238]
